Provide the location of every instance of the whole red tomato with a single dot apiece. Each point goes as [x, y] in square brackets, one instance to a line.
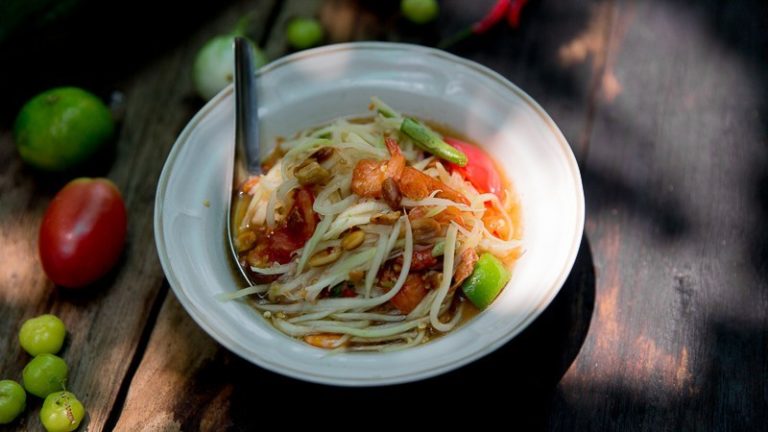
[83, 232]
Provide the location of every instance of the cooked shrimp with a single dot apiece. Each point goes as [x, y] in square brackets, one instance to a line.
[325, 340]
[369, 175]
[445, 217]
[368, 178]
[416, 185]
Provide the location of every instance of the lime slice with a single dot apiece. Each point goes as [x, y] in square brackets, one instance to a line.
[486, 281]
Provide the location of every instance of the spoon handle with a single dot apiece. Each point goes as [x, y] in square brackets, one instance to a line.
[246, 108]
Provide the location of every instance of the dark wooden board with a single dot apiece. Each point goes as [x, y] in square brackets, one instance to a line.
[662, 325]
[674, 177]
[107, 323]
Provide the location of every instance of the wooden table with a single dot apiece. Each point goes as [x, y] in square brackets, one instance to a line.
[662, 325]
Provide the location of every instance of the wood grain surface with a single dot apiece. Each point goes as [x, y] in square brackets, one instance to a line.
[662, 324]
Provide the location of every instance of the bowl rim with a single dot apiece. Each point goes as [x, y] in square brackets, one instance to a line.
[235, 347]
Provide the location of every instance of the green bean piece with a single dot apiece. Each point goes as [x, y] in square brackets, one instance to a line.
[431, 142]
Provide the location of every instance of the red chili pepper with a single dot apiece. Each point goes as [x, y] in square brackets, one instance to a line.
[494, 16]
[511, 9]
[514, 11]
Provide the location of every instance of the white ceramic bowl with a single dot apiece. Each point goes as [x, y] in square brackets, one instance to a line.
[312, 87]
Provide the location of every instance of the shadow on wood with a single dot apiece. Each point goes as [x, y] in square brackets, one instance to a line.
[91, 44]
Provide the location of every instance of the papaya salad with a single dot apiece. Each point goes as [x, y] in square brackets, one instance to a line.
[375, 233]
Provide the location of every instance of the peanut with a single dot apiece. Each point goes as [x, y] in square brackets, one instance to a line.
[425, 229]
[353, 239]
[388, 218]
[325, 257]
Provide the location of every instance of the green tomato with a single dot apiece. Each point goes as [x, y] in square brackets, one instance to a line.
[44, 375]
[12, 400]
[419, 11]
[42, 335]
[303, 33]
[61, 412]
[486, 281]
[214, 66]
[61, 128]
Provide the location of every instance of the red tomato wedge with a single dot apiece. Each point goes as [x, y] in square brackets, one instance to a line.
[480, 169]
[295, 231]
[83, 232]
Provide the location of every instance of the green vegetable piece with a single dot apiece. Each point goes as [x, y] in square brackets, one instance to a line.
[486, 281]
[385, 110]
[61, 128]
[61, 412]
[438, 249]
[337, 289]
[303, 33]
[42, 335]
[419, 11]
[45, 374]
[13, 400]
[431, 142]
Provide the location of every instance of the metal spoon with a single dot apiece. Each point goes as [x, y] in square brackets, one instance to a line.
[247, 161]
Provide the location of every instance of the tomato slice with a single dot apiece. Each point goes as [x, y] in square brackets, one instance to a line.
[480, 169]
[295, 231]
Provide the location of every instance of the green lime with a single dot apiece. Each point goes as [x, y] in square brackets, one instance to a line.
[61, 127]
[486, 281]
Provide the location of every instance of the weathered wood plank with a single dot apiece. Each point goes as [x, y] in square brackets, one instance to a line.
[174, 387]
[674, 179]
[105, 324]
[154, 401]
